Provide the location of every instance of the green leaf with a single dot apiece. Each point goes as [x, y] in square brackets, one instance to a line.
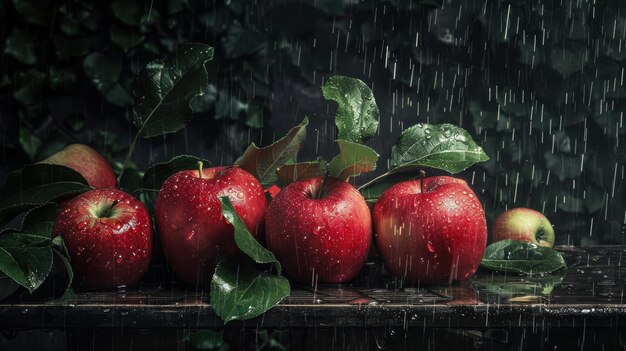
[441, 146]
[59, 249]
[357, 114]
[29, 90]
[26, 254]
[216, 21]
[165, 88]
[353, 159]
[207, 339]
[503, 287]
[61, 79]
[565, 167]
[20, 45]
[229, 106]
[125, 37]
[240, 41]
[37, 184]
[292, 172]
[103, 71]
[239, 291]
[245, 241]
[34, 11]
[118, 96]
[521, 257]
[263, 162]
[70, 47]
[569, 57]
[30, 143]
[204, 102]
[128, 12]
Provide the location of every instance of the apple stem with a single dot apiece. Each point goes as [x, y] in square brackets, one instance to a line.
[108, 211]
[422, 175]
[200, 164]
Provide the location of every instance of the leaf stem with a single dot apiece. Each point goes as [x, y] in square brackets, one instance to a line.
[374, 180]
[131, 149]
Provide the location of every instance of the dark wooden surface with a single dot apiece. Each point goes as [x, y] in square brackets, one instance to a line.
[590, 293]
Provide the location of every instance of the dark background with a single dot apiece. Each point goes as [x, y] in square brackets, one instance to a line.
[539, 84]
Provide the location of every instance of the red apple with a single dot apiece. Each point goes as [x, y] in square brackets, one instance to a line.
[88, 162]
[524, 224]
[189, 218]
[108, 235]
[320, 230]
[431, 230]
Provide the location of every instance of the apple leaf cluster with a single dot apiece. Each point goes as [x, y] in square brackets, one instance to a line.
[27, 253]
[522, 257]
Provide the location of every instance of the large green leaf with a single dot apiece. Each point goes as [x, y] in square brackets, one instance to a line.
[292, 172]
[37, 184]
[521, 257]
[245, 241]
[239, 291]
[353, 159]
[263, 162]
[26, 254]
[442, 146]
[357, 114]
[165, 88]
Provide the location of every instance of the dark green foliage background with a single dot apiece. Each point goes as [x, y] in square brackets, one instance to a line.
[539, 84]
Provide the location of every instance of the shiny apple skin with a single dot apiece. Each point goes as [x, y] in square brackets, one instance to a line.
[192, 230]
[88, 162]
[324, 240]
[431, 237]
[524, 224]
[106, 252]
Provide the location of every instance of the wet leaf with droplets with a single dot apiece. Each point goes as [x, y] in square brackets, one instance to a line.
[164, 90]
[239, 291]
[521, 257]
[353, 159]
[263, 162]
[245, 241]
[357, 114]
[26, 254]
[442, 146]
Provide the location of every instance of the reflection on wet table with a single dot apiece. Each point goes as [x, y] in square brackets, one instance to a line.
[590, 291]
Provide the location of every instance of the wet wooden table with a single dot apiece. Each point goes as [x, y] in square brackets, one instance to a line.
[590, 293]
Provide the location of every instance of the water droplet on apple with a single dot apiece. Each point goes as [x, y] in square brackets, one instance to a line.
[430, 246]
[317, 229]
[119, 259]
